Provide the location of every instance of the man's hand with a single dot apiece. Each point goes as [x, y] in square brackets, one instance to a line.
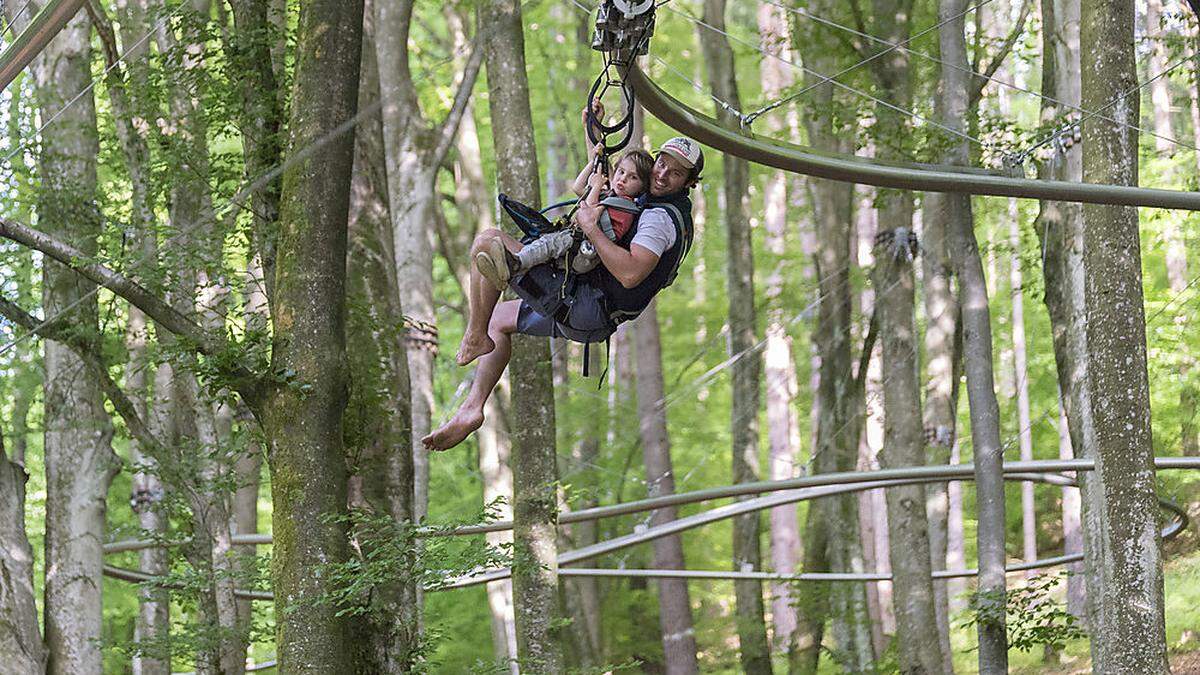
[588, 219]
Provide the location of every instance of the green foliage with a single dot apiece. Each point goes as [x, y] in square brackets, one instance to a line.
[1031, 616]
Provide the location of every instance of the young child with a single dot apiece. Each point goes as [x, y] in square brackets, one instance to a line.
[630, 179]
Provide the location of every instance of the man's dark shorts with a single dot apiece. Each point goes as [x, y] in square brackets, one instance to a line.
[578, 312]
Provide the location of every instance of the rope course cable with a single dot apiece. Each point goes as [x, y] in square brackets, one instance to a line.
[901, 46]
[12, 22]
[891, 47]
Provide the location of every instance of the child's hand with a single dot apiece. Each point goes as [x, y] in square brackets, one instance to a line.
[596, 182]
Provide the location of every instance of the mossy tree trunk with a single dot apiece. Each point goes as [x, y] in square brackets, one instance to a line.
[302, 411]
[534, 466]
[1124, 556]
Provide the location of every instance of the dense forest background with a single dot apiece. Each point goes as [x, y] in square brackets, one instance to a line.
[185, 149]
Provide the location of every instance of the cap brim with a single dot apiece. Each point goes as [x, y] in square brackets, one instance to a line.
[682, 160]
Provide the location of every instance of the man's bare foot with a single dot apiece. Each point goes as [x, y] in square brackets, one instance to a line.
[473, 347]
[450, 434]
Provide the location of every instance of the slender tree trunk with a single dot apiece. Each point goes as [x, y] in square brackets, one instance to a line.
[783, 433]
[411, 174]
[751, 628]
[1060, 229]
[1021, 375]
[941, 315]
[535, 573]
[1160, 88]
[831, 537]
[916, 618]
[674, 606]
[1072, 522]
[21, 646]
[304, 426]
[1120, 503]
[378, 435]
[79, 460]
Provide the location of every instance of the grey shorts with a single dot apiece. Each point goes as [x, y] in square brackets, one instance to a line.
[579, 314]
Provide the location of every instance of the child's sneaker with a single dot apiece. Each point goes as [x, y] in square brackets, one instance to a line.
[497, 264]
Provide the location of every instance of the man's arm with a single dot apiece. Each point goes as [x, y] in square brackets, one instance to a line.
[629, 267]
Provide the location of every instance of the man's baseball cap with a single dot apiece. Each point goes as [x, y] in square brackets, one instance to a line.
[685, 150]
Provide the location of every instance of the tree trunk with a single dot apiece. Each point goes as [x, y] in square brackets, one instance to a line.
[831, 538]
[941, 317]
[916, 618]
[1120, 503]
[303, 417]
[783, 433]
[1160, 88]
[535, 474]
[411, 175]
[674, 605]
[1021, 375]
[79, 460]
[751, 628]
[21, 646]
[1059, 227]
[1072, 523]
[379, 412]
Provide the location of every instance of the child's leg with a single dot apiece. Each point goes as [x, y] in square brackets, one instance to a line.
[545, 248]
[469, 416]
[482, 298]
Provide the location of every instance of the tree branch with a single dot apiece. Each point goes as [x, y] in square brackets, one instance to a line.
[449, 128]
[205, 342]
[89, 354]
[981, 79]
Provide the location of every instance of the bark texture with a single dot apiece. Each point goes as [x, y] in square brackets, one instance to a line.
[674, 605]
[21, 646]
[783, 434]
[379, 414]
[535, 473]
[1124, 565]
[831, 537]
[747, 372]
[303, 415]
[79, 460]
[916, 619]
[1059, 227]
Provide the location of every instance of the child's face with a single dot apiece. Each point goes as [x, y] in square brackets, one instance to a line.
[625, 180]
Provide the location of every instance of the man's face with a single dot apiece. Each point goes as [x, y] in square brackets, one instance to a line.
[668, 176]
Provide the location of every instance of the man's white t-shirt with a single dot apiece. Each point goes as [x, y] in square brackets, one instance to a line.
[655, 231]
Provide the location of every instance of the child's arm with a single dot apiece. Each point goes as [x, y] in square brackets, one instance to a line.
[580, 186]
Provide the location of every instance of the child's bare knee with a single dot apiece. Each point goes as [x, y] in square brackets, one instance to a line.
[484, 238]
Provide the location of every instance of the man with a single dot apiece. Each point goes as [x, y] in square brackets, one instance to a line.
[633, 270]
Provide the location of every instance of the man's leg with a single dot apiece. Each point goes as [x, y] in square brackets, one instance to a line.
[469, 416]
[481, 299]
